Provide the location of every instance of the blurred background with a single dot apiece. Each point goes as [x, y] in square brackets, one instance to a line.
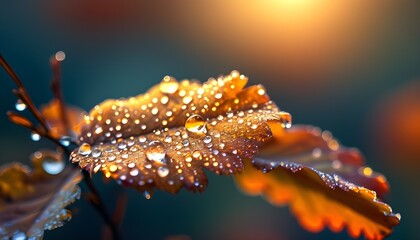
[351, 67]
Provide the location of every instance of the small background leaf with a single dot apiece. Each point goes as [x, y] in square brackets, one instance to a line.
[313, 186]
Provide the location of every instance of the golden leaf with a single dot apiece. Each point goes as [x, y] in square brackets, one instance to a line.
[309, 170]
[52, 114]
[34, 201]
[163, 138]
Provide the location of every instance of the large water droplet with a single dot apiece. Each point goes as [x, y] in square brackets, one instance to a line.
[169, 85]
[156, 152]
[20, 106]
[163, 171]
[285, 119]
[85, 149]
[53, 166]
[35, 137]
[196, 124]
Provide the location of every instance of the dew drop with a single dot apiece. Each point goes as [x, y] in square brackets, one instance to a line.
[285, 119]
[35, 137]
[156, 152]
[169, 85]
[163, 171]
[19, 236]
[122, 145]
[52, 166]
[196, 154]
[20, 106]
[164, 100]
[147, 195]
[113, 168]
[168, 139]
[195, 124]
[96, 153]
[261, 90]
[316, 153]
[134, 172]
[207, 139]
[142, 139]
[85, 149]
[65, 141]
[187, 99]
[155, 111]
[111, 157]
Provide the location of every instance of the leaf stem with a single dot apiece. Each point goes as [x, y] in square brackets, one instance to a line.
[21, 93]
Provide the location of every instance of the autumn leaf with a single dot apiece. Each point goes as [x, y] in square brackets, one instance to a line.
[165, 137]
[57, 126]
[32, 201]
[324, 183]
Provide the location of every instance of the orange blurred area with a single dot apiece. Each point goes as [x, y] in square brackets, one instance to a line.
[396, 127]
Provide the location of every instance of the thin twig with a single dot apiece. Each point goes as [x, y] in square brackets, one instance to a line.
[22, 94]
[58, 93]
[100, 206]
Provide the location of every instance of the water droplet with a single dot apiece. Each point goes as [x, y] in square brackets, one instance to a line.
[285, 119]
[168, 139]
[164, 100]
[207, 139]
[35, 137]
[156, 152]
[60, 56]
[52, 166]
[20, 106]
[155, 111]
[317, 152]
[196, 124]
[96, 153]
[196, 154]
[96, 168]
[163, 171]
[122, 145]
[111, 157]
[134, 172]
[169, 85]
[19, 236]
[65, 141]
[261, 90]
[113, 168]
[187, 99]
[98, 130]
[85, 149]
[147, 195]
[142, 139]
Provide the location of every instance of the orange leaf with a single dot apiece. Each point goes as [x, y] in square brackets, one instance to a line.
[163, 138]
[312, 173]
[58, 129]
[32, 201]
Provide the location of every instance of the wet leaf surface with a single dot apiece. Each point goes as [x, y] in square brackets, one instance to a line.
[324, 183]
[165, 137]
[32, 201]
